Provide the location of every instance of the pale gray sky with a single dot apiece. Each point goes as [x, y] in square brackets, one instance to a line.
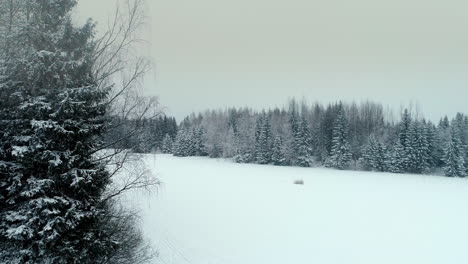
[218, 53]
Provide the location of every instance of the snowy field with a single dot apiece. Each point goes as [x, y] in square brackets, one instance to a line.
[212, 211]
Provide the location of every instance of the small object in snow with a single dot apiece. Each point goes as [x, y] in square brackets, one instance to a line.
[301, 182]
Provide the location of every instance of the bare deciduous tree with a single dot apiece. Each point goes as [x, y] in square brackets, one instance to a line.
[119, 68]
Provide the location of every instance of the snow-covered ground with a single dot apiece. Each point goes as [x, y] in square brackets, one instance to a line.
[212, 211]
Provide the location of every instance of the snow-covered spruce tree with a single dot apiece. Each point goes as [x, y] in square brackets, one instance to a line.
[198, 142]
[374, 155]
[327, 123]
[444, 123]
[294, 122]
[189, 142]
[225, 145]
[340, 154]
[454, 163]
[52, 204]
[167, 143]
[180, 145]
[460, 123]
[435, 149]
[263, 139]
[216, 150]
[244, 139]
[244, 153]
[277, 154]
[400, 150]
[417, 148]
[404, 127]
[302, 145]
[396, 159]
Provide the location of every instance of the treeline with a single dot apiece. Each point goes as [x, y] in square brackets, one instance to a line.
[339, 135]
[142, 135]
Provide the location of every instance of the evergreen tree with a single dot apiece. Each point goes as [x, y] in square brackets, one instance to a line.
[327, 123]
[263, 140]
[396, 159]
[243, 151]
[179, 147]
[277, 156]
[417, 148]
[435, 149]
[143, 141]
[453, 158]
[302, 142]
[404, 127]
[167, 144]
[444, 123]
[189, 142]
[52, 206]
[198, 142]
[374, 155]
[244, 139]
[155, 131]
[216, 151]
[340, 155]
[243, 155]
[294, 117]
[460, 124]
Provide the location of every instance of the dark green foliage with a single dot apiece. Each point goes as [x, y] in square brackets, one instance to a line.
[51, 114]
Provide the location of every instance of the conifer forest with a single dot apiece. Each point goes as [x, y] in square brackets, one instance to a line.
[233, 132]
[340, 135]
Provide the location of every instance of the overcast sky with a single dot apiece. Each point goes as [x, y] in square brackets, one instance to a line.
[257, 53]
